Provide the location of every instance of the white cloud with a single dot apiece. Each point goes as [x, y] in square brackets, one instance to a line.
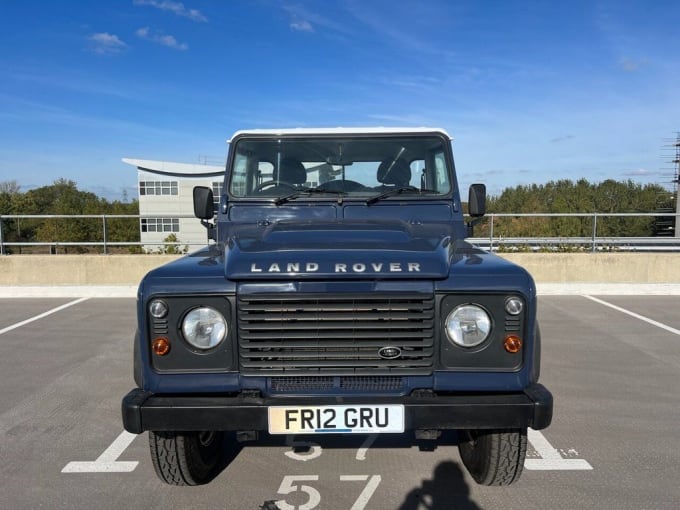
[639, 172]
[106, 44]
[398, 27]
[302, 16]
[177, 8]
[560, 139]
[301, 26]
[160, 38]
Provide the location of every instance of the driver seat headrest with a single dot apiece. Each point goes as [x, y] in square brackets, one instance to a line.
[292, 171]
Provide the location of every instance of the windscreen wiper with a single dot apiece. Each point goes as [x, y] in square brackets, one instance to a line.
[397, 191]
[305, 191]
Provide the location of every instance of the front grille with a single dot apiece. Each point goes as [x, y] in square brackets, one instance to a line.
[335, 334]
[369, 383]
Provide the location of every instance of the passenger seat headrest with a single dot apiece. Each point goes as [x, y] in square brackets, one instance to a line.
[396, 172]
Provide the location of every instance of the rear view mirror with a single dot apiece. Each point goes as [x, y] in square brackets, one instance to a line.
[477, 200]
[203, 203]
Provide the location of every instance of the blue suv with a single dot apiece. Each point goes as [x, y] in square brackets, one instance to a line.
[337, 295]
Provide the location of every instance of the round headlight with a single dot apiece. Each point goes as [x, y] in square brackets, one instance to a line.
[204, 328]
[514, 305]
[158, 309]
[468, 325]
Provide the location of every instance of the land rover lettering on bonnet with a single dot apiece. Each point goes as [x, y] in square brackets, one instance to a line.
[337, 294]
[338, 267]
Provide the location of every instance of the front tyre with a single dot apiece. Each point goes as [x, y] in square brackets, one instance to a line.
[185, 458]
[494, 457]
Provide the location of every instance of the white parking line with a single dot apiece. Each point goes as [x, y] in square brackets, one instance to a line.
[42, 315]
[551, 459]
[636, 315]
[107, 462]
[368, 442]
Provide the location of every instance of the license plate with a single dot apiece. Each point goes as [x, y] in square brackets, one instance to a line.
[364, 419]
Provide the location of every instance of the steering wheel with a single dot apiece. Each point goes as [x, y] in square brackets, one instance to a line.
[268, 184]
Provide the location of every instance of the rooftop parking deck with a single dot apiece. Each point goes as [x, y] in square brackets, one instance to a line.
[611, 362]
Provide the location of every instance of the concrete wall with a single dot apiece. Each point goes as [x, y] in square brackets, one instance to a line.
[77, 269]
[600, 267]
[545, 267]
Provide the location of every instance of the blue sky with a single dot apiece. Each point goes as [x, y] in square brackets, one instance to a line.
[531, 90]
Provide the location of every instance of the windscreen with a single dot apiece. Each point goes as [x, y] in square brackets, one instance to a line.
[358, 167]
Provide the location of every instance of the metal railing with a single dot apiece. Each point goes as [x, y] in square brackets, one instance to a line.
[494, 240]
[104, 243]
[593, 242]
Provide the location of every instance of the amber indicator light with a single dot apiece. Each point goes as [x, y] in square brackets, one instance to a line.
[161, 346]
[512, 344]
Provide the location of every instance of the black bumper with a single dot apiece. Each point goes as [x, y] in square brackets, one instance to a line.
[147, 411]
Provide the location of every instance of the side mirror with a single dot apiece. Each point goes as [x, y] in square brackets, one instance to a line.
[203, 203]
[477, 200]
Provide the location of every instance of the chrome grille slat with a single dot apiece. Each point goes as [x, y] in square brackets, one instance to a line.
[343, 363]
[337, 335]
[327, 344]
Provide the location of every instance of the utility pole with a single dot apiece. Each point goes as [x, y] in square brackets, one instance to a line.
[670, 203]
[676, 182]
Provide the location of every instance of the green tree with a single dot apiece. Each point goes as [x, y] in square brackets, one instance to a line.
[566, 196]
[123, 229]
[64, 198]
[9, 198]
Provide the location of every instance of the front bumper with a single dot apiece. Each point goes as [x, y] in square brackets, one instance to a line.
[147, 411]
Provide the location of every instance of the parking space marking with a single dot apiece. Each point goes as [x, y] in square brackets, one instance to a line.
[635, 315]
[551, 459]
[107, 462]
[42, 315]
[368, 442]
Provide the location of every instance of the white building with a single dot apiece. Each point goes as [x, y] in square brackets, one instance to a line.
[166, 200]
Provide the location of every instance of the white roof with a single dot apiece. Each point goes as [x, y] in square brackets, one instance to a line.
[340, 131]
[170, 167]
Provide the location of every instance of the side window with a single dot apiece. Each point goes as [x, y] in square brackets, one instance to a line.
[217, 193]
[248, 173]
[417, 169]
[239, 175]
[441, 174]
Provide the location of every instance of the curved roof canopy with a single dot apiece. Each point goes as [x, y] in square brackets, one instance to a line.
[173, 169]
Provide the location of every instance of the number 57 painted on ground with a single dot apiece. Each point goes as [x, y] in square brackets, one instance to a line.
[289, 485]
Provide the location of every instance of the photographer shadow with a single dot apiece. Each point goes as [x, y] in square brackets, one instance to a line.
[447, 490]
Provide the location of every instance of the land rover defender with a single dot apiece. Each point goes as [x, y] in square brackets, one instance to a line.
[337, 295]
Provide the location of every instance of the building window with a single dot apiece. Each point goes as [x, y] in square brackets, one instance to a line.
[159, 224]
[157, 188]
[217, 193]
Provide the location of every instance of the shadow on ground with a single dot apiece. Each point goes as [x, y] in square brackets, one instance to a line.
[447, 490]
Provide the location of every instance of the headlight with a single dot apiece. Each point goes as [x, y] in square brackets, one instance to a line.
[204, 328]
[468, 325]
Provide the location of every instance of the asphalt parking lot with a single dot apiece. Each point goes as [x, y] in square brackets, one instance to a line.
[612, 363]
